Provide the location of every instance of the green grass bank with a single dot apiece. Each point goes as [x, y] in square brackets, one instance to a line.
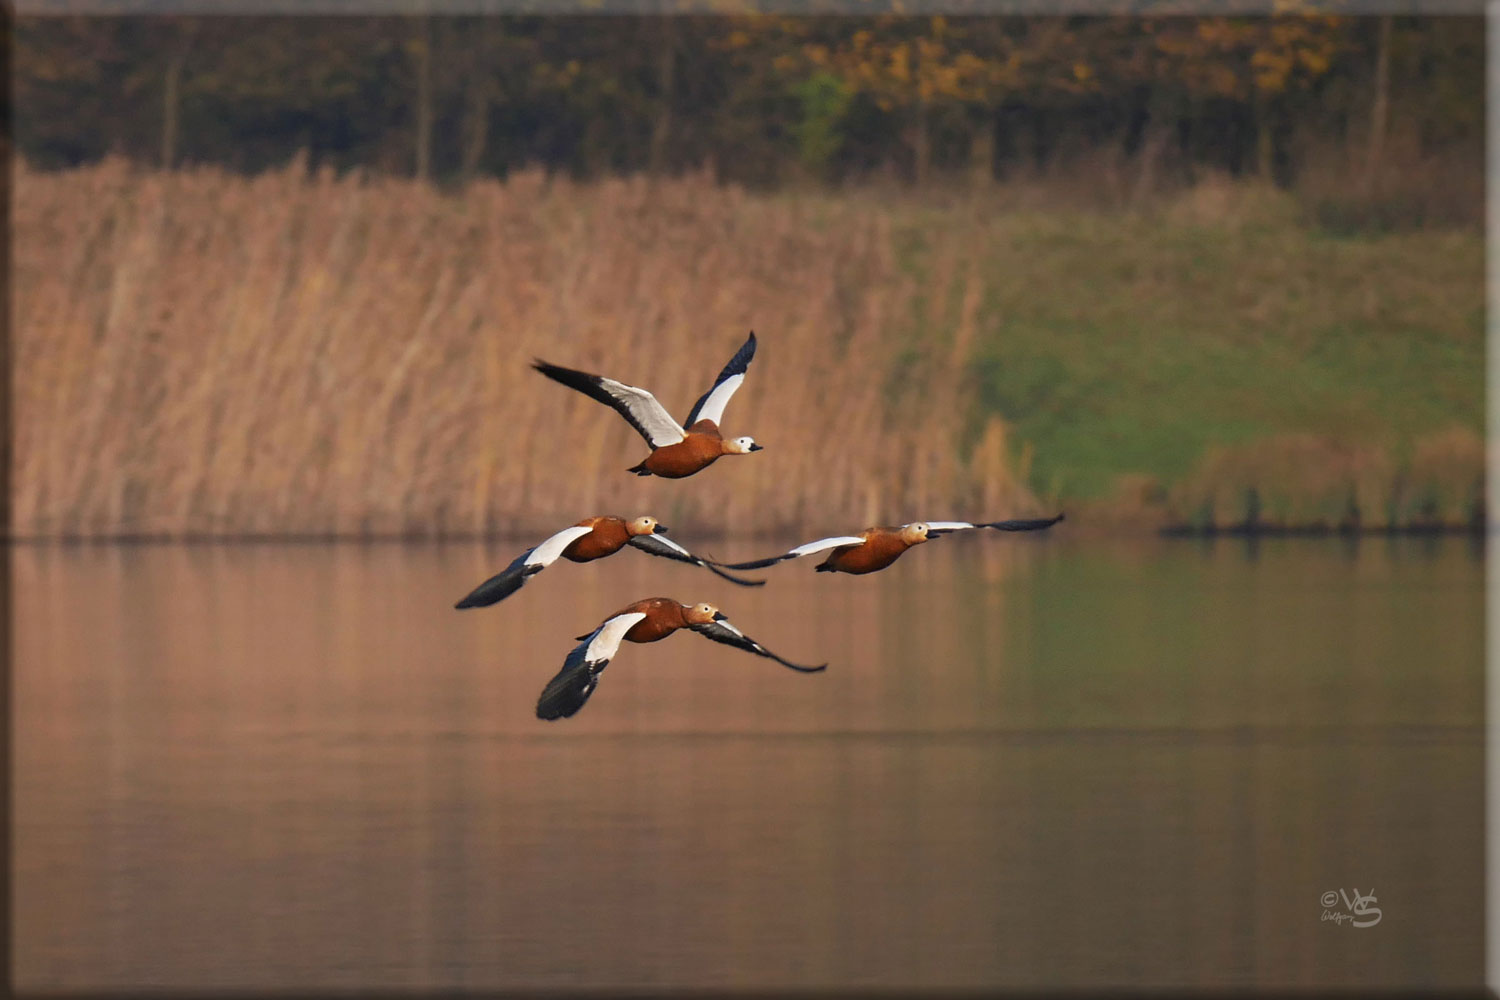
[1217, 358]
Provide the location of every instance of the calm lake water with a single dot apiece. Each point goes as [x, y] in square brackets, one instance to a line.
[1033, 762]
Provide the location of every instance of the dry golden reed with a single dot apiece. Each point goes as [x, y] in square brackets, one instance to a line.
[292, 354]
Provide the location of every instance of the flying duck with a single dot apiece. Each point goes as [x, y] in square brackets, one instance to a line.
[644, 621]
[675, 452]
[876, 548]
[589, 539]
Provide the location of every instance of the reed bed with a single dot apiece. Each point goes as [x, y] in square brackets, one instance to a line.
[1320, 482]
[295, 354]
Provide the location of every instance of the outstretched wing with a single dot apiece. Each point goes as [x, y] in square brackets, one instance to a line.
[639, 407]
[668, 549]
[810, 549]
[935, 528]
[565, 694]
[710, 405]
[719, 630]
[528, 564]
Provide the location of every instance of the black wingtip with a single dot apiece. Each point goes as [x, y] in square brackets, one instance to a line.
[494, 590]
[566, 693]
[1024, 524]
[573, 378]
[799, 667]
[713, 568]
[755, 564]
[809, 670]
[557, 373]
[562, 702]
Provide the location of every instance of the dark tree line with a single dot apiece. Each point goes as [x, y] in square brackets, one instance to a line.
[763, 100]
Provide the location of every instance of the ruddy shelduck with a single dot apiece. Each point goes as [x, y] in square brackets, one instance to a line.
[650, 620]
[876, 548]
[677, 451]
[589, 539]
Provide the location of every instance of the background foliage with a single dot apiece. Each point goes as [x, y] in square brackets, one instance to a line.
[1313, 101]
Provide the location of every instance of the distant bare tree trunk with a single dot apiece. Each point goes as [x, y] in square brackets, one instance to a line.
[476, 122]
[666, 72]
[169, 111]
[480, 90]
[1158, 132]
[920, 138]
[424, 99]
[982, 154]
[476, 127]
[1149, 160]
[1379, 108]
[171, 98]
[1265, 140]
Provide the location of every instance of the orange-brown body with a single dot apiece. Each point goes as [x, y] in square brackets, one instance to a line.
[609, 536]
[703, 446]
[882, 546]
[663, 617]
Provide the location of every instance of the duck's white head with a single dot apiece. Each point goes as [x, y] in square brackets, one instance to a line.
[702, 614]
[741, 446]
[645, 526]
[915, 533]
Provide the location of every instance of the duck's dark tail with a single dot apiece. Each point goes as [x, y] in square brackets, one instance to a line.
[825, 568]
[640, 470]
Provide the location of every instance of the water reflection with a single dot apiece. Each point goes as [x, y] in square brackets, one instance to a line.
[1031, 763]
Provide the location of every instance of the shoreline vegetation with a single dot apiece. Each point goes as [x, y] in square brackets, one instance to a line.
[298, 354]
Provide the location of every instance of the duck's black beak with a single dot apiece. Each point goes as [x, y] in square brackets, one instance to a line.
[757, 447]
[660, 529]
[720, 616]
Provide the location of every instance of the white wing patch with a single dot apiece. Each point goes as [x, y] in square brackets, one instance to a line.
[649, 416]
[718, 398]
[546, 553]
[949, 525]
[824, 544]
[605, 642]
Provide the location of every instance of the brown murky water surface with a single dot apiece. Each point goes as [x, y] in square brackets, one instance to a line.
[1033, 762]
